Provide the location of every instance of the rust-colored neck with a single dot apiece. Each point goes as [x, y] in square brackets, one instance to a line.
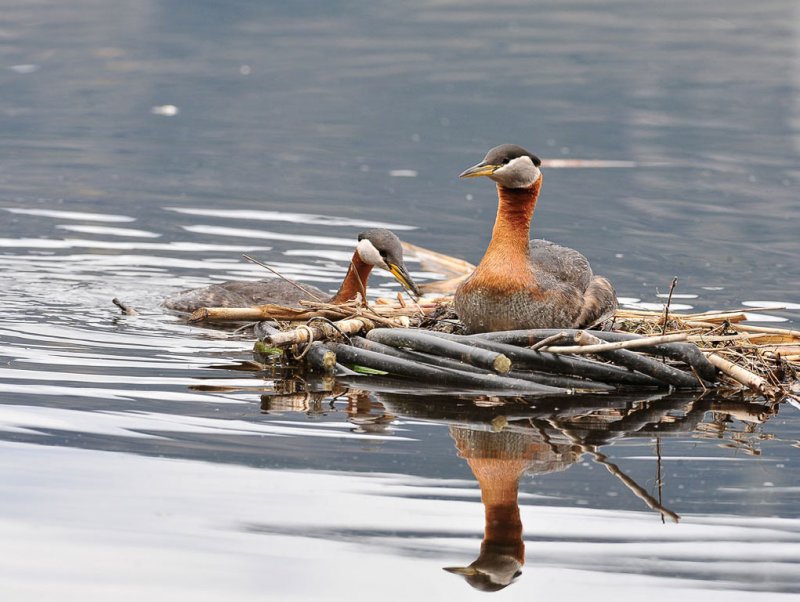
[499, 483]
[355, 281]
[512, 226]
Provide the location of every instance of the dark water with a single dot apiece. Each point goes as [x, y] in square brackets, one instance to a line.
[140, 462]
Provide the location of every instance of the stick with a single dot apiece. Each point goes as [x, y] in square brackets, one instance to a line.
[256, 313]
[769, 330]
[551, 362]
[416, 356]
[425, 342]
[553, 338]
[684, 352]
[667, 304]
[632, 485]
[320, 359]
[666, 374]
[561, 382]
[743, 376]
[437, 376]
[309, 309]
[602, 459]
[304, 333]
[630, 344]
[434, 261]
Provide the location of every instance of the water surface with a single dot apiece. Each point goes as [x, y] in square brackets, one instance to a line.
[147, 145]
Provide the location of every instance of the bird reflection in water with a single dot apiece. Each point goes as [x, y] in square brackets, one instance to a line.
[504, 440]
[498, 460]
[501, 442]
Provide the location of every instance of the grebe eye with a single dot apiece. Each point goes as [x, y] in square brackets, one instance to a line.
[506, 160]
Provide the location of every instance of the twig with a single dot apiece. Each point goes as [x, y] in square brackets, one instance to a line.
[304, 333]
[635, 361]
[632, 485]
[559, 364]
[631, 344]
[547, 340]
[669, 301]
[419, 340]
[433, 375]
[741, 375]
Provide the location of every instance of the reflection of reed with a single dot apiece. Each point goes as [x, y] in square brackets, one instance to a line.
[498, 460]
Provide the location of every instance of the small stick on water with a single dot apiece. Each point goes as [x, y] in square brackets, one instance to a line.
[126, 309]
[669, 301]
[279, 275]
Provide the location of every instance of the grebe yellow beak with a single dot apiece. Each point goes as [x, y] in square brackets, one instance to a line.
[404, 278]
[481, 169]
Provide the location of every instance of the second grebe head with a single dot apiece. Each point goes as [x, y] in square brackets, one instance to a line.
[381, 248]
[509, 165]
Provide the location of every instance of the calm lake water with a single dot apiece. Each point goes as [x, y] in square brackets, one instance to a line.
[146, 145]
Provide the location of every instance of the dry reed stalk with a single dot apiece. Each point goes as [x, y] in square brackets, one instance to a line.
[305, 334]
[743, 376]
[433, 261]
[383, 313]
[632, 344]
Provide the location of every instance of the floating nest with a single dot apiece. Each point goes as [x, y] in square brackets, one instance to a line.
[712, 350]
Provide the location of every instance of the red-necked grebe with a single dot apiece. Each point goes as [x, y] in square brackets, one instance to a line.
[522, 283]
[376, 247]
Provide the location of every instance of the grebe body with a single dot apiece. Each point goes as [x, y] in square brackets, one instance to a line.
[522, 283]
[376, 247]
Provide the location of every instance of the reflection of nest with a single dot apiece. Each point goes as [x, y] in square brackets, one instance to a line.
[538, 457]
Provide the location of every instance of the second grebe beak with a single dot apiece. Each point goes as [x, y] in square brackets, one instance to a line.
[400, 272]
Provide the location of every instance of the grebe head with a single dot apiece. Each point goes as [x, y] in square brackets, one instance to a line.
[381, 248]
[509, 165]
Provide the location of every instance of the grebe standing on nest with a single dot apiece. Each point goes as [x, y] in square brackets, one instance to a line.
[376, 248]
[522, 284]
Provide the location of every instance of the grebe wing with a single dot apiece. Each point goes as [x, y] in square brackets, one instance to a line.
[563, 264]
[599, 304]
[242, 293]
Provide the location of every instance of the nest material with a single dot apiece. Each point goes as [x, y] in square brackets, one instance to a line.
[771, 354]
[761, 359]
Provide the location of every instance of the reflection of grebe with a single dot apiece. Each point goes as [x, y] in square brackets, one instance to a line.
[527, 284]
[376, 248]
[498, 460]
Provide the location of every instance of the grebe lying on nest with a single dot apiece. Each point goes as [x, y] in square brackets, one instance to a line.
[376, 248]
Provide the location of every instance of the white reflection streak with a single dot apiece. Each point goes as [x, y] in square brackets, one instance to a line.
[71, 243]
[129, 424]
[109, 231]
[280, 216]
[265, 234]
[76, 215]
